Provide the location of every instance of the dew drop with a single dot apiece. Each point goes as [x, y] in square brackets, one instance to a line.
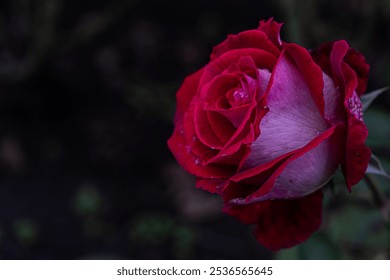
[355, 106]
[194, 139]
[197, 161]
[240, 96]
[265, 107]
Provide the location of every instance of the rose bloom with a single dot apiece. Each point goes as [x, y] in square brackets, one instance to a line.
[265, 124]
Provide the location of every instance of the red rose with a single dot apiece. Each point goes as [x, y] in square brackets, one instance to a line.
[265, 124]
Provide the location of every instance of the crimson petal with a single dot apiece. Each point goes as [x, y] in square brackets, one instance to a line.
[282, 223]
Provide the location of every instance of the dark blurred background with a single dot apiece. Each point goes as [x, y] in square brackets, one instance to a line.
[87, 97]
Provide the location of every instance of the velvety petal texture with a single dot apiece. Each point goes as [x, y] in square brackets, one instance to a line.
[265, 125]
[282, 223]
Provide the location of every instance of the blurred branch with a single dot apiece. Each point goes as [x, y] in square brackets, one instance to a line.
[46, 36]
[44, 28]
[96, 23]
[379, 201]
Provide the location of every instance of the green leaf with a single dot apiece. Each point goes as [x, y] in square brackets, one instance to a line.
[375, 167]
[368, 98]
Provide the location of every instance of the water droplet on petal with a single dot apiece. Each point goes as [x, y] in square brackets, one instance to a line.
[355, 106]
[197, 161]
[240, 96]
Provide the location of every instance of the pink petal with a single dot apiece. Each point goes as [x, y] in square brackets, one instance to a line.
[284, 183]
[334, 108]
[311, 73]
[309, 172]
[293, 119]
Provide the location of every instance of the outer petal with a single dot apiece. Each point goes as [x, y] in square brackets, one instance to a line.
[178, 143]
[357, 154]
[247, 39]
[334, 108]
[359, 65]
[282, 223]
[289, 180]
[261, 58]
[272, 29]
[353, 58]
[293, 119]
[185, 94]
[211, 185]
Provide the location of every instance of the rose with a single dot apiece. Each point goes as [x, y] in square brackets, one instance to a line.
[265, 124]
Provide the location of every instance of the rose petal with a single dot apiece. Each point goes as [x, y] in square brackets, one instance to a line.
[357, 154]
[261, 58]
[178, 144]
[293, 119]
[272, 29]
[185, 94]
[211, 185]
[244, 40]
[283, 183]
[191, 162]
[282, 223]
[309, 172]
[334, 108]
[311, 73]
[221, 126]
[359, 65]
[203, 129]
